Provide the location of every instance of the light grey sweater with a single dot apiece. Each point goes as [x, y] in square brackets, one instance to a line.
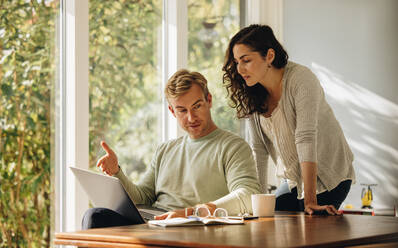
[317, 134]
[218, 168]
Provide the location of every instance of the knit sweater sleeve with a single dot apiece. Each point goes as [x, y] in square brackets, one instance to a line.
[260, 154]
[241, 178]
[307, 95]
[144, 191]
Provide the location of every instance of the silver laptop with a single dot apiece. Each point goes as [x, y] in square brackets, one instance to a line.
[108, 192]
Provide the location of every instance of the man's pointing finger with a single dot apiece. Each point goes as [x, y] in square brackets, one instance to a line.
[106, 147]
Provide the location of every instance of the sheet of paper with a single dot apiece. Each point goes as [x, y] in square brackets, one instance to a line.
[194, 221]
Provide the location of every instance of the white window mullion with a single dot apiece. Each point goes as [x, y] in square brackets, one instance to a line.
[76, 122]
[268, 12]
[175, 55]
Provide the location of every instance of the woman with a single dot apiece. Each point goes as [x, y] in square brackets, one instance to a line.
[289, 120]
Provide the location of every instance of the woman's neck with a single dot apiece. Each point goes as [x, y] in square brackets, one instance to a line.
[273, 82]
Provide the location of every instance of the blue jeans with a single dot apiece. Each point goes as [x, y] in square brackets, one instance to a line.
[286, 200]
[104, 217]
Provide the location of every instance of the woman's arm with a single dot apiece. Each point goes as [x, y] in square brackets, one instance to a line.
[307, 96]
[260, 153]
[309, 172]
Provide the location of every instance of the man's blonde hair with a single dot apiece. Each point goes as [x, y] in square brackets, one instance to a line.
[182, 81]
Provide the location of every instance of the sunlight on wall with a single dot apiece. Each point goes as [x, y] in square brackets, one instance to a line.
[370, 124]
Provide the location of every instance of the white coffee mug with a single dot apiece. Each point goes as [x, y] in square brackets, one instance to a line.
[263, 205]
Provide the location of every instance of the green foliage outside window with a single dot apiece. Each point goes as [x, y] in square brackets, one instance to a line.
[27, 66]
[122, 75]
[125, 93]
[208, 59]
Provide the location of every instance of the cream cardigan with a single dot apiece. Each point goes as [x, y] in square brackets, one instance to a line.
[318, 135]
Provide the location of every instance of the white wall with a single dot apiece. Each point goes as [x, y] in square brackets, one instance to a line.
[352, 45]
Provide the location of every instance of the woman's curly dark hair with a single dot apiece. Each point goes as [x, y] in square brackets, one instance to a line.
[248, 100]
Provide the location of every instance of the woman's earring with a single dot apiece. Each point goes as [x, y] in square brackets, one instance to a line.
[269, 66]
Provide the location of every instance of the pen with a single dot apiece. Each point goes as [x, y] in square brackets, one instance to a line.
[250, 217]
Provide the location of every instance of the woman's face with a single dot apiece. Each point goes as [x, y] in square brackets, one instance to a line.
[250, 65]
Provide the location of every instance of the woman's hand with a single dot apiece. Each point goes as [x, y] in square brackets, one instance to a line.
[309, 172]
[312, 208]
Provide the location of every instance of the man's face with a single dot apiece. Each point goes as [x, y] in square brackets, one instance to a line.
[192, 111]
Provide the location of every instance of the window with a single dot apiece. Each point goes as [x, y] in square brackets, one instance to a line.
[126, 71]
[125, 81]
[28, 64]
[210, 26]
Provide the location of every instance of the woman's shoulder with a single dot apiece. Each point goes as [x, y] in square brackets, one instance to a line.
[295, 70]
[298, 76]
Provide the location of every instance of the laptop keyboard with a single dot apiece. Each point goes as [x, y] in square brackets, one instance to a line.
[149, 212]
[147, 216]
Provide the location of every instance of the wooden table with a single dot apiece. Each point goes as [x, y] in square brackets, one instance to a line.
[282, 230]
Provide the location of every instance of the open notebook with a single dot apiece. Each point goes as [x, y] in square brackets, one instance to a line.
[195, 221]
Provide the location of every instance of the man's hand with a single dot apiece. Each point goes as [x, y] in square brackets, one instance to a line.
[108, 163]
[181, 212]
[171, 214]
[211, 206]
[314, 208]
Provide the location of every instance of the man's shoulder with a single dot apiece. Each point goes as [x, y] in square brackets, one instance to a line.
[222, 136]
[229, 138]
[229, 135]
[232, 148]
[171, 143]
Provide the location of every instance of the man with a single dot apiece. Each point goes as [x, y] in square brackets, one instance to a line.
[209, 167]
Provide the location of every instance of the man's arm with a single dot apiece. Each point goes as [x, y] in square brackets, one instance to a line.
[144, 192]
[141, 194]
[242, 182]
[241, 178]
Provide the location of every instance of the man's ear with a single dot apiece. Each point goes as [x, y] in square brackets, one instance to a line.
[172, 110]
[209, 99]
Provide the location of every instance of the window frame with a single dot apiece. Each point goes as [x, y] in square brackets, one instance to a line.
[72, 127]
[72, 110]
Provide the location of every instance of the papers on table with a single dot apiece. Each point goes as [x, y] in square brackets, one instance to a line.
[195, 221]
